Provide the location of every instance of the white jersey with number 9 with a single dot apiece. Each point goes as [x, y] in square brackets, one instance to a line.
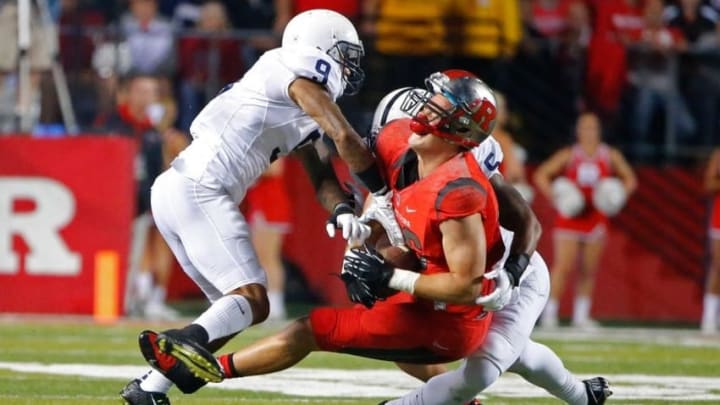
[254, 120]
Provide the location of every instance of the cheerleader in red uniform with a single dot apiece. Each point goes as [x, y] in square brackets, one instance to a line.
[581, 234]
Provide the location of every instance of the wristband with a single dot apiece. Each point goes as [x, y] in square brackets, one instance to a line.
[515, 265]
[343, 208]
[403, 280]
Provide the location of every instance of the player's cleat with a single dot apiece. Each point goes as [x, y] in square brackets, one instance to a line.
[132, 394]
[598, 390]
[156, 350]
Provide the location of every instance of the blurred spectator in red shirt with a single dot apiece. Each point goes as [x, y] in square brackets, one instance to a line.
[79, 24]
[209, 59]
[550, 17]
[286, 9]
[618, 23]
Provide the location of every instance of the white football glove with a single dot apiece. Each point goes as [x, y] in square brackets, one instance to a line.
[353, 230]
[381, 210]
[502, 294]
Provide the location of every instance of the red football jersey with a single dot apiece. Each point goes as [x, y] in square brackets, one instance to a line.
[455, 189]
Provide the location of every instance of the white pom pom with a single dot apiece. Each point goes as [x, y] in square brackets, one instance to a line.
[567, 197]
[609, 196]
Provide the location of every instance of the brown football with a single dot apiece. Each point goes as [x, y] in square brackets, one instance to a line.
[398, 257]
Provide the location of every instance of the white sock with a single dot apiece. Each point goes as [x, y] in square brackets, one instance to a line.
[153, 381]
[550, 314]
[230, 314]
[542, 367]
[158, 295]
[711, 308]
[581, 310]
[453, 387]
[277, 304]
[143, 285]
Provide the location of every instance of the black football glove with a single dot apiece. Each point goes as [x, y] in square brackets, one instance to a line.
[368, 266]
[358, 291]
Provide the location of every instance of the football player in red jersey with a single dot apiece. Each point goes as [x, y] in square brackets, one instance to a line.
[585, 164]
[449, 215]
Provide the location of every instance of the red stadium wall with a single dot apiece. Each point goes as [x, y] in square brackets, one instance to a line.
[65, 212]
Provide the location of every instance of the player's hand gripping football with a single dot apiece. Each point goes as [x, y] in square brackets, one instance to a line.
[365, 273]
[353, 229]
[381, 210]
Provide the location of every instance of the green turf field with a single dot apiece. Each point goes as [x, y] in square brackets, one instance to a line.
[73, 361]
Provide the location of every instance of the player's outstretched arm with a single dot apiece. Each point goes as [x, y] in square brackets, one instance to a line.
[331, 195]
[317, 103]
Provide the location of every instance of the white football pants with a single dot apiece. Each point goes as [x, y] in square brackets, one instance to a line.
[207, 233]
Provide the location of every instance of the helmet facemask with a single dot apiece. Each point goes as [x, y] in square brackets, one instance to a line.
[348, 55]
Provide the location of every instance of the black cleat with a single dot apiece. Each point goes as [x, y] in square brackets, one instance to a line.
[155, 349]
[132, 394]
[598, 390]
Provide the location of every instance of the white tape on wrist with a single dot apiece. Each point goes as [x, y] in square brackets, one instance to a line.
[403, 280]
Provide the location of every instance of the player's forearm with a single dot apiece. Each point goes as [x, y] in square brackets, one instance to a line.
[330, 194]
[322, 176]
[448, 287]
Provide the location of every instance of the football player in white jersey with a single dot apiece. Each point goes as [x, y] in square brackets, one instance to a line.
[522, 290]
[279, 106]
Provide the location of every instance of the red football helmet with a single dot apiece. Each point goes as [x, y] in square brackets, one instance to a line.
[470, 119]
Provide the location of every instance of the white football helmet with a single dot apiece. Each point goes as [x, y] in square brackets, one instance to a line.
[334, 34]
[567, 197]
[609, 196]
[391, 108]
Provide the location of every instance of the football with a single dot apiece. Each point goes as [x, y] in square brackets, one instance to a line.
[402, 258]
[398, 257]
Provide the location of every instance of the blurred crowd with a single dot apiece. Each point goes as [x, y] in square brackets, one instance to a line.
[649, 68]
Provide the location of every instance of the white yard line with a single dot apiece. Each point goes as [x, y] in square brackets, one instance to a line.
[674, 337]
[390, 383]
